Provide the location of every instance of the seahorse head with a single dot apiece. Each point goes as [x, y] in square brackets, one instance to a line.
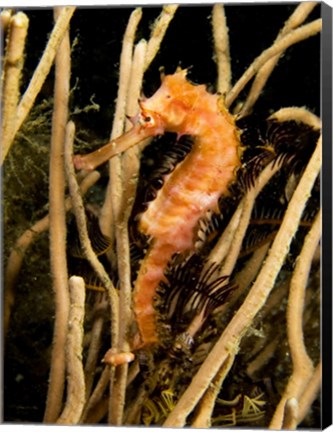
[177, 106]
[171, 107]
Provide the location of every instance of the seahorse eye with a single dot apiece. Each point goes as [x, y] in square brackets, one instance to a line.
[146, 120]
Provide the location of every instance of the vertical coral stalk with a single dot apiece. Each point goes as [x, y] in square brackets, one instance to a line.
[44, 65]
[117, 386]
[111, 206]
[277, 48]
[131, 158]
[310, 393]
[12, 68]
[159, 29]
[302, 363]
[204, 413]
[296, 19]
[24, 106]
[75, 375]
[221, 45]
[5, 17]
[81, 222]
[58, 229]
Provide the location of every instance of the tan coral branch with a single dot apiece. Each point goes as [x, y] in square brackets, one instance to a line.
[44, 65]
[249, 200]
[79, 212]
[302, 364]
[5, 17]
[290, 414]
[24, 106]
[221, 45]
[97, 394]
[278, 48]
[297, 18]
[115, 188]
[75, 374]
[160, 27]
[112, 204]
[310, 393]
[95, 345]
[58, 228]
[203, 416]
[131, 158]
[13, 66]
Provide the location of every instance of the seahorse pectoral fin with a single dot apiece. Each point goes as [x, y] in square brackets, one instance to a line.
[129, 139]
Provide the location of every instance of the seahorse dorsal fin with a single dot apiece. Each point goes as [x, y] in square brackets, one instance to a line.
[182, 71]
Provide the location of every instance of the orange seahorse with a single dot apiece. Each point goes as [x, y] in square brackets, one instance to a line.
[189, 191]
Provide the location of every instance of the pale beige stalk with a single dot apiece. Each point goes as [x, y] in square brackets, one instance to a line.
[219, 252]
[204, 413]
[58, 228]
[75, 374]
[44, 65]
[93, 355]
[115, 189]
[245, 276]
[13, 66]
[290, 414]
[130, 169]
[97, 394]
[297, 18]
[221, 47]
[80, 216]
[5, 17]
[249, 200]
[112, 204]
[297, 114]
[263, 357]
[310, 393]
[131, 158]
[159, 29]
[302, 364]
[278, 48]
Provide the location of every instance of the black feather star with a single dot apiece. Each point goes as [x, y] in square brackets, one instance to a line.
[192, 287]
[290, 143]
